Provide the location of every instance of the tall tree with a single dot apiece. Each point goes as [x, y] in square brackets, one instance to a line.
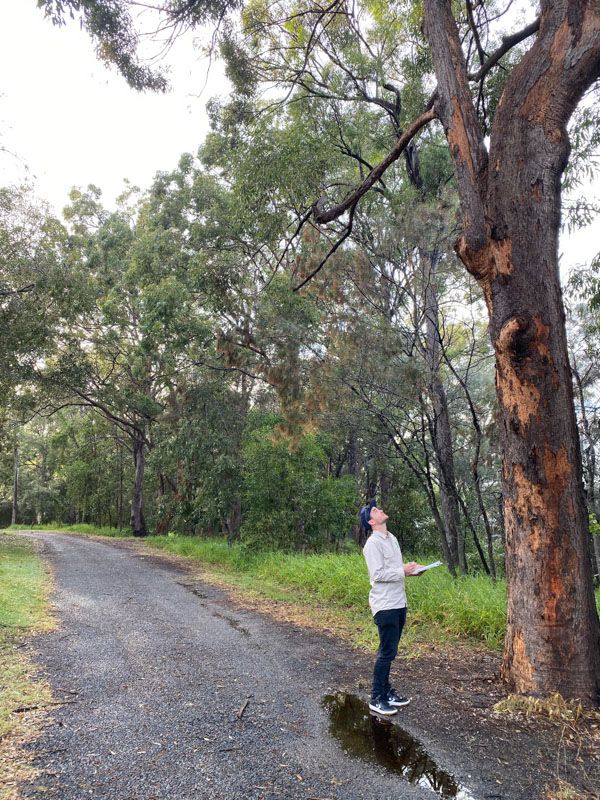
[510, 203]
[138, 329]
[510, 216]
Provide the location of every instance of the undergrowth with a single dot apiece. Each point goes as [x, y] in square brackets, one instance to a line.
[90, 530]
[442, 608]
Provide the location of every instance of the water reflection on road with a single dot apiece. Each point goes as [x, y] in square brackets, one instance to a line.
[371, 738]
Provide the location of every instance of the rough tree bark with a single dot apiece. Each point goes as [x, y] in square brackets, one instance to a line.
[511, 218]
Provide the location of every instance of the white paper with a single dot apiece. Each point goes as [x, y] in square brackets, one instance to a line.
[429, 566]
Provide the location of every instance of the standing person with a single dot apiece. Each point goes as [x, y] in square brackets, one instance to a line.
[387, 599]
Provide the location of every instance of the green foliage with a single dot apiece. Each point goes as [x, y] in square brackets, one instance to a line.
[36, 295]
[112, 30]
[290, 503]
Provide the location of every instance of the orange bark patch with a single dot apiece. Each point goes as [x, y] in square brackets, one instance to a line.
[535, 108]
[557, 469]
[487, 263]
[519, 396]
[523, 358]
[535, 510]
[458, 139]
[540, 342]
[521, 666]
[538, 503]
[529, 509]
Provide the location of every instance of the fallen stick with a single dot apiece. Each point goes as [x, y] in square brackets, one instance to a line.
[242, 708]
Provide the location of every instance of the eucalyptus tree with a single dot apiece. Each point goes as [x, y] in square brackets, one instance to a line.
[35, 293]
[137, 330]
[36, 299]
[507, 136]
[510, 216]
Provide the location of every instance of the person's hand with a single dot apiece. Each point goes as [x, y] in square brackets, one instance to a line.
[411, 567]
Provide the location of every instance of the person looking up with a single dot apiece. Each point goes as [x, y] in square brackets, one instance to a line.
[387, 600]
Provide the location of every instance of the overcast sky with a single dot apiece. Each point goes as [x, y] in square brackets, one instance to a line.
[69, 121]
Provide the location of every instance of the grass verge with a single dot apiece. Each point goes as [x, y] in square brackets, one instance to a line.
[333, 588]
[24, 588]
[90, 530]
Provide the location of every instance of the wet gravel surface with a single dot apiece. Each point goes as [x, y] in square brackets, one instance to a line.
[173, 692]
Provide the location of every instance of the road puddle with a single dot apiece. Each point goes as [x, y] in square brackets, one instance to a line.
[383, 742]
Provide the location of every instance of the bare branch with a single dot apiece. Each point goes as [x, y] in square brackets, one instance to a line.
[22, 290]
[321, 215]
[340, 241]
[508, 42]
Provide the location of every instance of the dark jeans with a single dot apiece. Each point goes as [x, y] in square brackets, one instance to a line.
[389, 623]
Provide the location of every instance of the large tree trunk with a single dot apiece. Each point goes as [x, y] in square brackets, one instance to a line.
[511, 217]
[138, 524]
[589, 464]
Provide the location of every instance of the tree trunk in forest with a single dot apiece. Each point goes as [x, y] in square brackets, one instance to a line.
[233, 521]
[475, 473]
[385, 489]
[120, 503]
[441, 433]
[590, 472]
[511, 219]
[164, 523]
[138, 524]
[15, 497]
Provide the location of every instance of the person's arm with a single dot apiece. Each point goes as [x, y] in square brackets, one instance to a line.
[379, 572]
[411, 567]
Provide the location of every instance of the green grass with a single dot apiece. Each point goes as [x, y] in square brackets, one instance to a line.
[441, 608]
[91, 530]
[22, 585]
[24, 588]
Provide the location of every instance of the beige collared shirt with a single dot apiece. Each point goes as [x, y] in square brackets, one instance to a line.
[386, 572]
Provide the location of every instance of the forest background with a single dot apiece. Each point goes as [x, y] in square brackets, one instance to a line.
[167, 366]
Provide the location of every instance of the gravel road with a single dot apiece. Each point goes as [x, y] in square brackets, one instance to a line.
[156, 670]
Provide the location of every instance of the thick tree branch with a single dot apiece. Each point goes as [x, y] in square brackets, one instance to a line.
[335, 246]
[322, 215]
[508, 42]
[457, 113]
[21, 290]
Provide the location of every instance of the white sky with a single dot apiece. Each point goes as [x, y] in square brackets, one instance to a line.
[68, 121]
[71, 121]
